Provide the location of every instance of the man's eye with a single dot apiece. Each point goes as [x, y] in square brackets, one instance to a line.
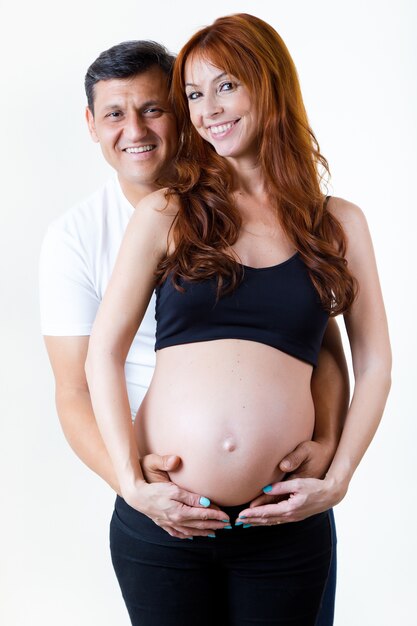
[153, 111]
[114, 114]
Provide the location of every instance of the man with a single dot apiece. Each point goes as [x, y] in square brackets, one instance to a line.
[128, 114]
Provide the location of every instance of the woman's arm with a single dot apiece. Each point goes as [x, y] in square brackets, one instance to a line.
[367, 329]
[127, 296]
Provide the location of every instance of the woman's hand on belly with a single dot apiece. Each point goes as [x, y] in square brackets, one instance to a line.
[298, 498]
[310, 459]
[179, 512]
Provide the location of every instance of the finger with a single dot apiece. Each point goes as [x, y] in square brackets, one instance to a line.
[202, 517]
[155, 462]
[272, 511]
[197, 532]
[155, 468]
[283, 487]
[199, 507]
[170, 462]
[175, 532]
[269, 521]
[204, 526]
[261, 500]
[293, 460]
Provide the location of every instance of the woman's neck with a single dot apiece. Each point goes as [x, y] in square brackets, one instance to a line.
[248, 178]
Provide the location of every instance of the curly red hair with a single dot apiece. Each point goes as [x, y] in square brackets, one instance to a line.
[208, 223]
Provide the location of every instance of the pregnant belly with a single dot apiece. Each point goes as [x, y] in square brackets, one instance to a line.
[232, 410]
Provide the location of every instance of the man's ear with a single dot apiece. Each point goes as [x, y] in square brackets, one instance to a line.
[91, 125]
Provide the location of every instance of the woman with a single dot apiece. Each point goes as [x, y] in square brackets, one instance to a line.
[250, 260]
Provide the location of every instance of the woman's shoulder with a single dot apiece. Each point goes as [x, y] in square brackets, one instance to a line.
[353, 221]
[151, 222]
[158, 209]
[350, 215]
[160, 201]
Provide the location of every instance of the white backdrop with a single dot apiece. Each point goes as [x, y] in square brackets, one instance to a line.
[357, 63]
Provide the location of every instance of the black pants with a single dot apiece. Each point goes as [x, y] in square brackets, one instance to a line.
[271, 575]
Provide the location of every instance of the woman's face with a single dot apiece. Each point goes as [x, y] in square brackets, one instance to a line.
[221, 109]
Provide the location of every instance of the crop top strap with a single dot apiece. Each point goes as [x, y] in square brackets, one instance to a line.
[326, 202]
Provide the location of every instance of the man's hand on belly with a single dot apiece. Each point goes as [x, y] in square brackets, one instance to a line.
[310, 459]
[155, 468]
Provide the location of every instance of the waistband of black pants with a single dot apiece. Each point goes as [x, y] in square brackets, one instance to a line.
[142, 527]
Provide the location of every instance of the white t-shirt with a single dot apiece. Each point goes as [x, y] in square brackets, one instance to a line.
[77, 257]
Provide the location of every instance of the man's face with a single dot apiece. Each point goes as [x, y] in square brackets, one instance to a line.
[135, 127]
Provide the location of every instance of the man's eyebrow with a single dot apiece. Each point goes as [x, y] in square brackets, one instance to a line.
[112, 107]
[150, 103]
[119, 105]
[213, 81]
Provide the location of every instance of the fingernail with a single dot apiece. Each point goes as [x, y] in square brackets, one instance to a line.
[226, 521]
[267, 489]
[212, 535]
[286, 465]
[246, 525]
[237, 523]
[190, 538]
[204, 501]
[227, 527]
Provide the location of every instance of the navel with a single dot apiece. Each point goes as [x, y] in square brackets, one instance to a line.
[229, 444]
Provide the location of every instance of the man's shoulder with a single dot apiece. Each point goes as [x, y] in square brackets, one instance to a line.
[103, 207]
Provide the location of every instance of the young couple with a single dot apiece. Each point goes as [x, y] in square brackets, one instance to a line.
[230, 243]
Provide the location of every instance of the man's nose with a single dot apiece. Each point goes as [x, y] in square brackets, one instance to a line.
[135, 128]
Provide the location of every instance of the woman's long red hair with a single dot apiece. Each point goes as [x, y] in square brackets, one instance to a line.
[208, 223]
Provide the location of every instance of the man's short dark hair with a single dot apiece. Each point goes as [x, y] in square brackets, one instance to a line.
[126, 60]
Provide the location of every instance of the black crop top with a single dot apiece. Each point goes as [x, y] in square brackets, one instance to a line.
[278, 306]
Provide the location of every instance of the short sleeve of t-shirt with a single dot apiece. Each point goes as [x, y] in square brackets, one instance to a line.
[68, 299]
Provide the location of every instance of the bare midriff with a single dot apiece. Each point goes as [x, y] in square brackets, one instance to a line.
[231, 409]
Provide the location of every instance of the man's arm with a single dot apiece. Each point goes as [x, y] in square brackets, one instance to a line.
[330, 390]
[67, 356]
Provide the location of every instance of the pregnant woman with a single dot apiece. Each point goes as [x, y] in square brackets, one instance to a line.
[249, 259]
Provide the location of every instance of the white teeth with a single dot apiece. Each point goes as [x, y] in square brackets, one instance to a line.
[222, 128]
[140, 149]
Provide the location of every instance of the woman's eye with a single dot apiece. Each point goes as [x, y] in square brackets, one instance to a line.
[227, 86]
[193, 95]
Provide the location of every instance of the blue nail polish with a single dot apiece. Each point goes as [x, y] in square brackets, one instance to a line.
[190, 538]
[267, 489]
[246, 525]
[237, 523]
[226, 521]
[204, 501]
[227, 527]
[242, 516]
[212, 535]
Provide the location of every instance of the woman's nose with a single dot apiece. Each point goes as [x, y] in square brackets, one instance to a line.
[212, 107]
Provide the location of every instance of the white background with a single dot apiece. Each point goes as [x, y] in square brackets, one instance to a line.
[357, 63]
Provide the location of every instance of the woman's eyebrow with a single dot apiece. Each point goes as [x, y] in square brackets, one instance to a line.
[213, 80]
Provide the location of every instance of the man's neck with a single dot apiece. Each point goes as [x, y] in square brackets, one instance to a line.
[135, 192]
